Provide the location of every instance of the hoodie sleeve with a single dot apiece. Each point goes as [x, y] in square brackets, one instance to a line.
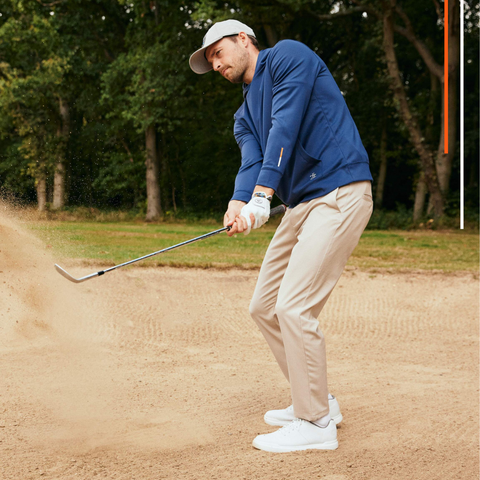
[251, 162]
[294, 72]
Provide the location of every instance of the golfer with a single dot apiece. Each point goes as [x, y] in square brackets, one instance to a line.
[298, 141]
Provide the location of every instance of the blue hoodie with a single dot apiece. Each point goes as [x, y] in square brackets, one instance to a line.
[294, 129]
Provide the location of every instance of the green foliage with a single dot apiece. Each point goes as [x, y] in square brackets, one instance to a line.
[29, 87]
[123, 66]
[402, 219]
[12, 163]
[121, 181]
[388, 219]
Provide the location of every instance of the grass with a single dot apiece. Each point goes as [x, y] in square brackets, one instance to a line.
[111, 243]
[445, 251]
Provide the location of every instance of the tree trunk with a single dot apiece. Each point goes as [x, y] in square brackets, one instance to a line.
[420, 194]
[429, 129]
[41, 186]
[416, 137]
[59, 184]
[444, 161]
[421, 189]
[383, 168]
[63, 133]
[154, 208]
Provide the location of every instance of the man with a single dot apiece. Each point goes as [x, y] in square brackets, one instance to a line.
[297, 140]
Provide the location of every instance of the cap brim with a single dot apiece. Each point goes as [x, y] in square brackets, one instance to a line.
[198, 62]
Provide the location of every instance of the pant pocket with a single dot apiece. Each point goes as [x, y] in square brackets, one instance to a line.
[349, 195]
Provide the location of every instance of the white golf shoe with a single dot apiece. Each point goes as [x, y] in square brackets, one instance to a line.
[298, 435]
[279, 418]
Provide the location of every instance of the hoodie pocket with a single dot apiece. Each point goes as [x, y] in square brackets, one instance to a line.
[309, 167]
[305, 173]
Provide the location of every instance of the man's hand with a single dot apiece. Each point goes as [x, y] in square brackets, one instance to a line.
[256, 212]
[234, 219]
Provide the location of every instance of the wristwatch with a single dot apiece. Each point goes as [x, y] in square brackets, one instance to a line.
[262, 195]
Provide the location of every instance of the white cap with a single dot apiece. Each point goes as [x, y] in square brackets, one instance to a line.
[198, 62]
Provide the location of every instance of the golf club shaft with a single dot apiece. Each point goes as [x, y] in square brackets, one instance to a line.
[61, 271]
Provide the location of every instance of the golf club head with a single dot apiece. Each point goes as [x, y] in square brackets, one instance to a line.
[65, 274]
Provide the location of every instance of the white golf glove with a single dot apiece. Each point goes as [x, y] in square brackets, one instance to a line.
[260, 207]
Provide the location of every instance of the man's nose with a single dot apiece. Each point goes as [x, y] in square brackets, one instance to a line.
[216, 66]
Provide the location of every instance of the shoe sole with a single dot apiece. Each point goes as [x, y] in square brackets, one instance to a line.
[279, 423]
[332, 445]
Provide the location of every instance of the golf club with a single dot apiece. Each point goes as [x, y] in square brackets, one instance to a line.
[64, 273]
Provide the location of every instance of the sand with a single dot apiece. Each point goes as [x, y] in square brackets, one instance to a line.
[159, 373]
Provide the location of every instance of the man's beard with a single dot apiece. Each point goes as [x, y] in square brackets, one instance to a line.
[237, 73]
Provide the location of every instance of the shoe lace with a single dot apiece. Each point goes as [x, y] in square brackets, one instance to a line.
[293, 426]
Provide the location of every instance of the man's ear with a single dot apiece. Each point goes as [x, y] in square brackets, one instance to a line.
[243, 38]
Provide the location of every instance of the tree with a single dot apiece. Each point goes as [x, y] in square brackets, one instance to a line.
[436, 170]
[48, 61]
[145, 87]
[426, 156]
[29, 89]
[88, 113]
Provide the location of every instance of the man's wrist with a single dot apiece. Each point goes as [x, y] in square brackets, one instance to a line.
[236, 203]
[262, 195]
[265, 190]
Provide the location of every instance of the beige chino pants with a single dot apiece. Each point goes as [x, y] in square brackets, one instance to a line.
[303, 263]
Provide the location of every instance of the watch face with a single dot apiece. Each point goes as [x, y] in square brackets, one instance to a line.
[262, 195]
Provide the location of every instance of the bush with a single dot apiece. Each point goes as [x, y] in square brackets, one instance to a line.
[402, 219]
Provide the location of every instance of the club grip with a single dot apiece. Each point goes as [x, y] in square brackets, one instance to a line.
[277, 210]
